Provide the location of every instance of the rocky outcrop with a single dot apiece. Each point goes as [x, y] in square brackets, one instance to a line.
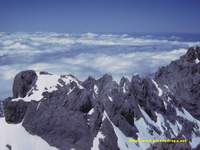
[23, 83]
[103, 114]
[14, 111]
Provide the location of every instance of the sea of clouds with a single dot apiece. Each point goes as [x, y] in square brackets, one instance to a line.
[86, 54]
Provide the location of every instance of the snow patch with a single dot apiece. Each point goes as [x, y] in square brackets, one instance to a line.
[38, 106]
[160, 122]
[124, 88]
[160, 92]
[96, 141]
[110, 98]
[166, 86]
[169, 99]
[197, 60]
[165, 104]
[91, 111]
[70, 90]
[96, 89]
[95, 145]
[69, 79]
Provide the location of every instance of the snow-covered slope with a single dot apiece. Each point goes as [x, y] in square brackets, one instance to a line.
[47, 83]
[17, 138]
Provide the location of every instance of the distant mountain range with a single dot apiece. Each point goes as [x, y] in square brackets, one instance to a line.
[48, 112]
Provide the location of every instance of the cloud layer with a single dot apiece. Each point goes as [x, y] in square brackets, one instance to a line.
[86, 54]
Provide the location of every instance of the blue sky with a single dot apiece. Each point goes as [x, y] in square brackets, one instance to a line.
[114, 16]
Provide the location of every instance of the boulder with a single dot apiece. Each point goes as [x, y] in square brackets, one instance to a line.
[23, 82]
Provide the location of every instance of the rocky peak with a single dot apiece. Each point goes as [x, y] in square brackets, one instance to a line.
[89, 83]
[192, 55]
[105, 79]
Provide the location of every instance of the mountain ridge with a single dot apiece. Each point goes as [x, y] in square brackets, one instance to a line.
[103, 114]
